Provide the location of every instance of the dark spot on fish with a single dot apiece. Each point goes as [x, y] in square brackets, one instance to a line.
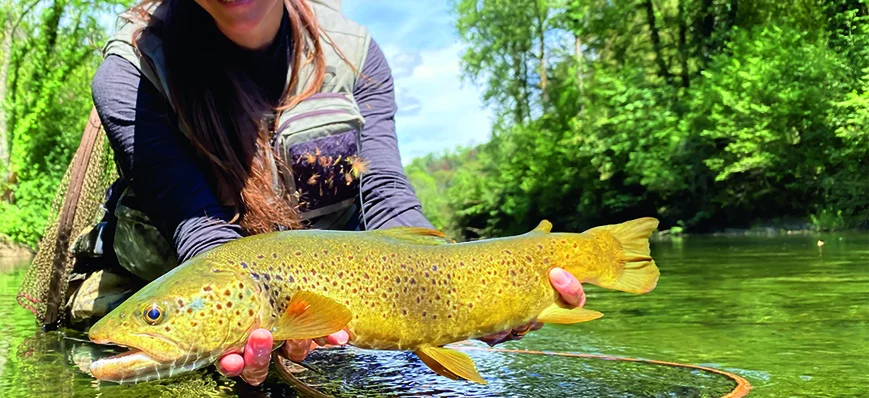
[341, 274]
[260, 256]
[167, 329]
[437, 297]
[423, 289]
[403, 266]
[220, 321]
[397, 280]
[194, 324]
[229, 304]
[418, 299]
[383, 258]
[274, 255]
[513, 272]
[243, 264]
[250, 312]
[220, 307]
[215, 270]
[190, 310]
[470, 305]
[227, 292]
[240, 296]
[298, 253]
[267, 277]
[366, 276]
[291, 279]
[202, 314]
[357, 316]
[434, 316]
[507, 252]
[427, 274]
[405, 289]
[354, 290]
[254, 275]
[424, 314]
[305, 279]
[384, 315]
[238, 323]
[278, 277]
[272, 302]
[434, 267]
[449, 316]
[207, 288]
[350, 258]
[483, 281]
[528, 258]
[574, 244]
[180, 304]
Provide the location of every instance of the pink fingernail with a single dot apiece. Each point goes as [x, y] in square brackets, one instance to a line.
[560, 277]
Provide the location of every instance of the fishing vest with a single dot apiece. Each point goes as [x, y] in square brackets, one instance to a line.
[318, 139]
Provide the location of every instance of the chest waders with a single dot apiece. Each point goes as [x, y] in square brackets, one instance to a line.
[99, 247]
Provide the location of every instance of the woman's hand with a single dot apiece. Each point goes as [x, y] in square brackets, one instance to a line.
[253, 363]
[571, 292]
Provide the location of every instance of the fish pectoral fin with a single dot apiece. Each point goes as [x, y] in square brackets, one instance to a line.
[309, 316]
[450, 363]
[414, 235]
[558, 314]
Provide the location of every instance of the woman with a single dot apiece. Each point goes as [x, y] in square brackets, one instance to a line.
[237, 117]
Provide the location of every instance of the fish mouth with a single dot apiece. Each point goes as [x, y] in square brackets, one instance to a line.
[136, 365]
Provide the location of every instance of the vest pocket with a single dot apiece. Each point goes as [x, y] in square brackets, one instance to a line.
[318, 116]
[318, 141]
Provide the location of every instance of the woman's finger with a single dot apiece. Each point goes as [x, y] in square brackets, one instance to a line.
[257, 356]
[568, 286]
[230, 365]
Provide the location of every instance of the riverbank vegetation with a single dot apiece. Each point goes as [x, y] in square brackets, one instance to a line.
[708, 114]
[49, 51]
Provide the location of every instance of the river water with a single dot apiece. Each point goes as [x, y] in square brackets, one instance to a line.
[790, 317]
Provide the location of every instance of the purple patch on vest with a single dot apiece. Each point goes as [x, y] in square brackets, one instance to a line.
[326, 170]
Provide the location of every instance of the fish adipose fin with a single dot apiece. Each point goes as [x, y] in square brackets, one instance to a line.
[310, 316]
[544, 227]
[558, 314]
[450, 363]
[414, 235]
[640, 272]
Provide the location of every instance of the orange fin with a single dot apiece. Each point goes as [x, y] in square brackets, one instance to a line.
[414, 235]
[309, 316]
[557, 314]
[640, 272]
[450, 363]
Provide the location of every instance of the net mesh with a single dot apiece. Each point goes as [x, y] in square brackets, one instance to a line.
[77, 205]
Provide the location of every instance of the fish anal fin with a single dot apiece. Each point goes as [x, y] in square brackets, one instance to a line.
[309, 316]
[415, 235]
[558, 314]
[450, 363]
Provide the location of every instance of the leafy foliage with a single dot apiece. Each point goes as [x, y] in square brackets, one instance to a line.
[50, 60]
[704, 113]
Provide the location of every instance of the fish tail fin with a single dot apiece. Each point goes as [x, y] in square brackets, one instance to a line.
[639, 274]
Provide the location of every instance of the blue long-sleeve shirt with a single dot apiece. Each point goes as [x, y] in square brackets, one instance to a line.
[178, 193]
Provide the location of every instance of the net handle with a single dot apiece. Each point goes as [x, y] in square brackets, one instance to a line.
[80, 164]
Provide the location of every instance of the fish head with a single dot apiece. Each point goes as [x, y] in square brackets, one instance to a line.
[186, 319]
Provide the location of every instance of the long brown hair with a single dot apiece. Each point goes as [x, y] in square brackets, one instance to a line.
[223, 110]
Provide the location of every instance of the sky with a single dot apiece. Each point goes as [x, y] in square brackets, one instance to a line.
[436, 109]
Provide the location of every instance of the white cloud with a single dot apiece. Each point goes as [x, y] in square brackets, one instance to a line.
[435, 111]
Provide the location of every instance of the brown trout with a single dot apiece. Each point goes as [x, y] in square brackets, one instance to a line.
[396, 289]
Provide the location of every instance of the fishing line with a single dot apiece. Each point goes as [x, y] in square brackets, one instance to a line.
[743, 387]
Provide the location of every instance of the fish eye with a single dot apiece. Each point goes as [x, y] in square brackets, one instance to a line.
[153, 314]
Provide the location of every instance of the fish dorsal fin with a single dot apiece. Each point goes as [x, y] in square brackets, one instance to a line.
[309, 316]
[558, 314]
[450, 363]
[544, 227]
[415, 235]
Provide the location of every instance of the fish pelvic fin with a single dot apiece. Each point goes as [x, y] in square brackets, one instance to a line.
[415, 235]
[309, 316]
[450, 363]
[555, 313]
[640, 272]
